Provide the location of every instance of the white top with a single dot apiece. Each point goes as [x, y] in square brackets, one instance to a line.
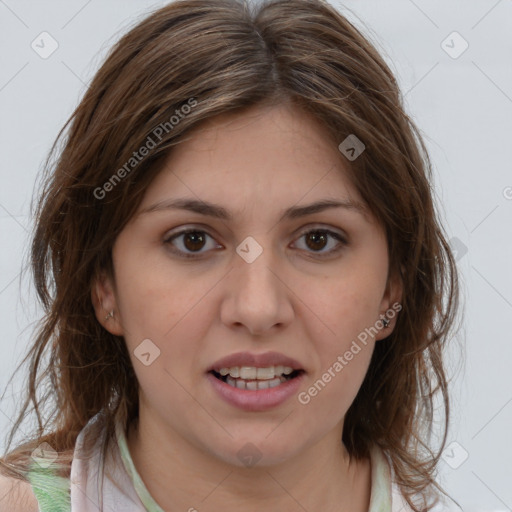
[130, 493]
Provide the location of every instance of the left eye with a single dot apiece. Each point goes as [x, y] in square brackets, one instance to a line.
[318, 239]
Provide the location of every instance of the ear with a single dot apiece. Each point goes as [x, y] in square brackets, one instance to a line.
[391, 305]
[104, 301]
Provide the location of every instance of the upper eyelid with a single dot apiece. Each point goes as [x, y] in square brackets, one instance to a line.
[192, 227]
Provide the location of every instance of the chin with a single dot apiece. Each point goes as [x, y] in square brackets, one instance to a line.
[257, 451]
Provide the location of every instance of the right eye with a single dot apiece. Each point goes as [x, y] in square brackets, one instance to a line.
[188, 243]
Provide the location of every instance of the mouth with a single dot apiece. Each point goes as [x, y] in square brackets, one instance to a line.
[256, 382]
[253, 378]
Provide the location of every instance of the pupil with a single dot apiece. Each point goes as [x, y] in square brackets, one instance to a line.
[197, 240]
[317, 237]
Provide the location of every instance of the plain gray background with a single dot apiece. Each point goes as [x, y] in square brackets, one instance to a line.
[462, 102]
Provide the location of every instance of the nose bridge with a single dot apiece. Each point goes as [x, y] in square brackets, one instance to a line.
[257, 297]
[254, 278]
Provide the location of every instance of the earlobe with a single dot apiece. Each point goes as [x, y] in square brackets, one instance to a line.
[105, 304]
[391, 305]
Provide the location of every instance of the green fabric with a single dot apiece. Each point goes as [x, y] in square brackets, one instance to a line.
[52, 491]
[147, 500]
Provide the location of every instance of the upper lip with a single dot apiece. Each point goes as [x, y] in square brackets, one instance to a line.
[257, 360]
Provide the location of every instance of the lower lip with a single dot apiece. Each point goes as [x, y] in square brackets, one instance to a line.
[256, 400]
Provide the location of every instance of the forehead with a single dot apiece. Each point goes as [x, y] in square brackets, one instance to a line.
[261, 156]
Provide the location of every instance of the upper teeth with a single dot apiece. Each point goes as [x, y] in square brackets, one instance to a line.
[251, 372]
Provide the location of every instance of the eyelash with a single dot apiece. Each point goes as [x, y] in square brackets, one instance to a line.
[337, 236]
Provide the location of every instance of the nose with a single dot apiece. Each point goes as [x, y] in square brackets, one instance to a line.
[257, 298]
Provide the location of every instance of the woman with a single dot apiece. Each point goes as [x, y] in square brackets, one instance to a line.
[247, 290]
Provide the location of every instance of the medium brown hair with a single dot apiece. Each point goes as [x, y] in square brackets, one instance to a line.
[228, 55]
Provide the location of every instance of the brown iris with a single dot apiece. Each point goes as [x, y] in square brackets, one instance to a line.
[317, 238]
[194, 240]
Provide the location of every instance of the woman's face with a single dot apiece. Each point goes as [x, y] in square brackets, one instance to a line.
[253, 278]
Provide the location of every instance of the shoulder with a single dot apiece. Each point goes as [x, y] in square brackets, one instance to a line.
[16, 495]
[442, 503]
[399, 504]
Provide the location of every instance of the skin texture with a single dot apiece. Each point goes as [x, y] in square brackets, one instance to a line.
[290, 299]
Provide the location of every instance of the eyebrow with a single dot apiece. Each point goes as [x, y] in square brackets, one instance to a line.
[219, 212]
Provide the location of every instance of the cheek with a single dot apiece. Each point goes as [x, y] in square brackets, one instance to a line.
[171, 310]
[345, 307]
[164, 317]
[150, 298]
[331, 393]
[161, 310]
[348, 308]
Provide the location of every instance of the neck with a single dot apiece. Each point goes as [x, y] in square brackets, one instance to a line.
[322, 477]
